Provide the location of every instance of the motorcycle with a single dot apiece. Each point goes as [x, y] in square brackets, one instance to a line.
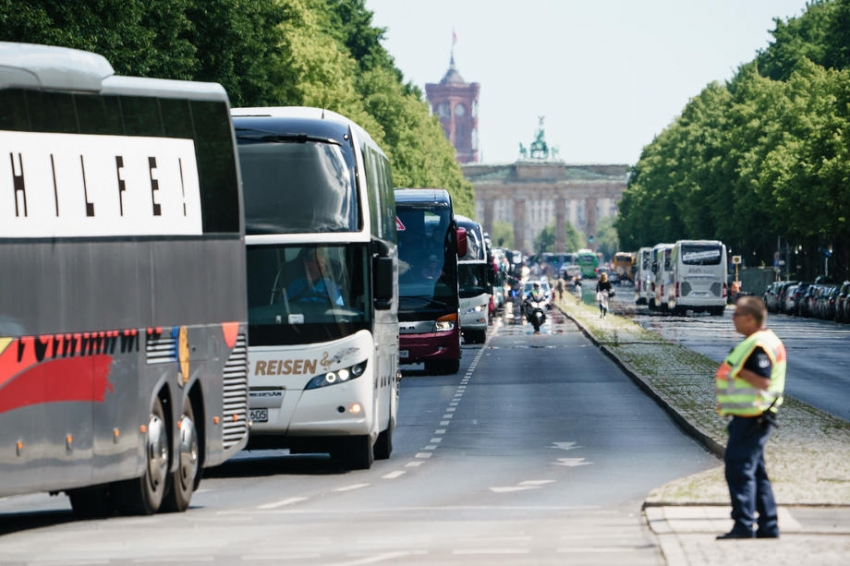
[535, 312]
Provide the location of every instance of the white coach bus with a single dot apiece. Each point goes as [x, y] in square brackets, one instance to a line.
[122, 294]
[322, 284]
[698, 277]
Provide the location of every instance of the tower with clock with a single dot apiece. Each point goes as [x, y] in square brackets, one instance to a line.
[455, 103]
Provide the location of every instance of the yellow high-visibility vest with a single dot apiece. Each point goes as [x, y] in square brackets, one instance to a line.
[737, 397]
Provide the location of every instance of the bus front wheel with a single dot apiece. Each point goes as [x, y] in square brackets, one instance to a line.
[144, 495]
[355, 452]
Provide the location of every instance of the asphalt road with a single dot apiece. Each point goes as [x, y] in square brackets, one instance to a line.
[818, 356]
[538, 451]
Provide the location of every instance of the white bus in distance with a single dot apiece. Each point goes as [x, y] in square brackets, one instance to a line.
[643, 276]
[661, 276]
[698, 277]
[322, 260]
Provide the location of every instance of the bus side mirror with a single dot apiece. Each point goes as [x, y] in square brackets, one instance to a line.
[462, 245]
[384, 282]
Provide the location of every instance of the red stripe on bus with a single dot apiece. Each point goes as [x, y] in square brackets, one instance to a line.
[69, 379]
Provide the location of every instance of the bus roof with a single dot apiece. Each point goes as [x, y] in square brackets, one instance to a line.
[436, 196]
[48, 67]
[306, 113]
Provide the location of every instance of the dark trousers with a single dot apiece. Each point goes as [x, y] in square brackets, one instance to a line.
[749, 486]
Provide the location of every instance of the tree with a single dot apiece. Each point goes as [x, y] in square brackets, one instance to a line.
[502, 234]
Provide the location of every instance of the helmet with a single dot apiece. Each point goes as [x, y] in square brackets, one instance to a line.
[536, 285]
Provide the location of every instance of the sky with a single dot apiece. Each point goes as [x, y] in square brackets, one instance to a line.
[607, 76]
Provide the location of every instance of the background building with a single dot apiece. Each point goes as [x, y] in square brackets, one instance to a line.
[455, 103]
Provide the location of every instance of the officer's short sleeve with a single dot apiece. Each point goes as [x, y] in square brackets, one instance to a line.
[759, 362]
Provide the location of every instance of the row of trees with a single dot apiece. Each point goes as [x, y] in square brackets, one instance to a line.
[763, 161]
[323, 53]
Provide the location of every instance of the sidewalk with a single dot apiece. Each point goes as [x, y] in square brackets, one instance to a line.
[808, 459]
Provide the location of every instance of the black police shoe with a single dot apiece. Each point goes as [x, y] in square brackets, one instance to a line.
[735, 535]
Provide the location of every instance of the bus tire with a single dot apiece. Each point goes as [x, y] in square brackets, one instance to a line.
[144, 495]
[182, 482]
[384, 445]
[355, 452]
[91, 502]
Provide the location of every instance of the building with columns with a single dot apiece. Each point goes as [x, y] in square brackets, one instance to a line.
[455, 103]
[531, 194]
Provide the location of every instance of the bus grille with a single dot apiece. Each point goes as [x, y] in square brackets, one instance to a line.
[236, 394]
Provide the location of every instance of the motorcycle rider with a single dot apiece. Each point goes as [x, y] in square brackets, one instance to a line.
[536, 294]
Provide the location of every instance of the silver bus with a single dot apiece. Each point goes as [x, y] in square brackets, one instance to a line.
[322, 284]
[123, 317]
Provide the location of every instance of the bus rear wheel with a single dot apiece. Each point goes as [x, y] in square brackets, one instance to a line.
[182, 482]
[144, 495]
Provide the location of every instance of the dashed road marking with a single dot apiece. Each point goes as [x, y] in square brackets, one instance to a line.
[282, 503]
[352, 487]
[394, 475]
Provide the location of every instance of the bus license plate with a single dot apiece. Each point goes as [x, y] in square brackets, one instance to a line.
[260, 415]
[403, 354]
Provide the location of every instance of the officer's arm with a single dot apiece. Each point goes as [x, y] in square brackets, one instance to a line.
[754, 379]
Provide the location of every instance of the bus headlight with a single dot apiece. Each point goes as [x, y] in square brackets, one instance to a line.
[478, 308]
[337, 376]
[445, 323]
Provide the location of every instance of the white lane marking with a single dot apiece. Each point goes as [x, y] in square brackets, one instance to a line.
[352, 487]
[436, 440]
[448, 416]
[451, 410]
[572, 462]
[394, 475]
[281, 557]
[424, 454]
[491, 551]
[283, 502]
[413, 464]
[377, 558]
[601, 550]
[440, 431]
[536, 482]
[173, 560]
[565, 445]
[444, 423]
[513, 489]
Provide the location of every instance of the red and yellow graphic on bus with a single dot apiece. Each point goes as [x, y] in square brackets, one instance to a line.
[59, 368]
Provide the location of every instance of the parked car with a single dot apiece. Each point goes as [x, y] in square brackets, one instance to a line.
[770, 296]
[781, 293]
[790, 304]
[807, 302]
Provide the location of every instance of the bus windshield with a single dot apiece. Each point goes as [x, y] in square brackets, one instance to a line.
[472, 279]
[701, 254]
[307, 294]
[424, 274]
[297, 186]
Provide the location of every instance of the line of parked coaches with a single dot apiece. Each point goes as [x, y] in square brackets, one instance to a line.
[816, 300]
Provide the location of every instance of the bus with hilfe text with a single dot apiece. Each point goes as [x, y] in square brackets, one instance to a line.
[429, 318]
[322, 284]
[122, 367]
[475, 282]
[698, 277]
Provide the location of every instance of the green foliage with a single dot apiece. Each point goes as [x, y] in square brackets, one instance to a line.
[502, 234]
[763, 157]
[606, 240]
[573, 239]
[323, 53]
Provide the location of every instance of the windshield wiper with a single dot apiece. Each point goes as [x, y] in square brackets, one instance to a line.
[268, 136]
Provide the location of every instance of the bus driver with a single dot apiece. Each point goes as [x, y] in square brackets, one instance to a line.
[317, 284]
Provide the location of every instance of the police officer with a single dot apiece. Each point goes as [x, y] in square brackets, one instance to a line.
[749, 386]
